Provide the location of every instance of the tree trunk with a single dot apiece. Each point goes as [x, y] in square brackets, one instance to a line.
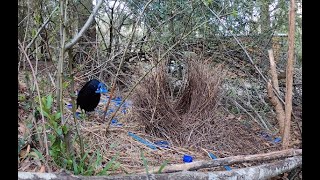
[289, 77]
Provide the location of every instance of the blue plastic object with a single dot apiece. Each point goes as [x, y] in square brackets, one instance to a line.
[69, 106]
[187, 158]
[277, 140]
[78, 115]
[268, 137]
[212, 156]
[114, 122]
[143, 141]
[117, 100]
[161, 143]
[110, 111]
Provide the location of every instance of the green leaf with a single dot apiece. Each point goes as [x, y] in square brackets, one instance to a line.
[145, 163]
[98, 160]
[207, 2]
[59, 131]
[65, 129]
[65, 84]
[162, 166]
[21, 97]
[234, 13]
[45, 114]
[51, 138]
[75, 167]
[33, 32]
[36, 154]
[57, 116]
[49, 101]
[54, 124]
[82, 163]
[108, 165]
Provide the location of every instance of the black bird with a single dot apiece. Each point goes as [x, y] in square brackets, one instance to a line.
[89, 95]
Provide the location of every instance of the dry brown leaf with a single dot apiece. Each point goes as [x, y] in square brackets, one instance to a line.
[22, 128]
[42, 169]
[28, 148]
[25, 152]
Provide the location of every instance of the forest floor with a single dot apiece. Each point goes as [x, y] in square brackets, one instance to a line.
[119, 143]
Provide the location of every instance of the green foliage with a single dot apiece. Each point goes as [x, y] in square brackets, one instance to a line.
[162, 166]
[92, 166]
[145, 163]
[37, 155]
[110, 165]
[59, 151]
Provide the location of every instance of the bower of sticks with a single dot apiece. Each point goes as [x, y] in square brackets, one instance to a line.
[187, 113]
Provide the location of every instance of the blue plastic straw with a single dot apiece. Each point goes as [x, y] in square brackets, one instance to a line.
[212, 156]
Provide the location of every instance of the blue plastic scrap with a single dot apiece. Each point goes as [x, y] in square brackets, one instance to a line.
[143, 141]
[114, 122]
[117, 100]
[269, 137]
[161, 143]
[110, 111]
[212, 156]
[78, 115]
[277, 140]
[187, 158]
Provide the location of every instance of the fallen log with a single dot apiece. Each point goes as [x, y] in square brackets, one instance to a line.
[225, 161]
[260, 172]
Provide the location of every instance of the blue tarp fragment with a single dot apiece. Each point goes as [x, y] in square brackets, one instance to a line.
[143, 141]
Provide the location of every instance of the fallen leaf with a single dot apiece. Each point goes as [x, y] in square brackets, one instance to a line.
[42, 169]
[22, 128]
[28, 148]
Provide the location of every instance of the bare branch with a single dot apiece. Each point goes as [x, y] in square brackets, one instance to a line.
[278, 107]
[85, 27]
[40, 29]
[273, 71]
